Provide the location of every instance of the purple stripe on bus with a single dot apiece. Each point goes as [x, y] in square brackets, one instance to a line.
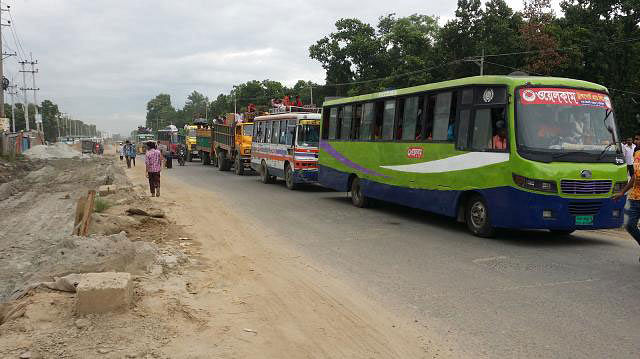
[347, 162]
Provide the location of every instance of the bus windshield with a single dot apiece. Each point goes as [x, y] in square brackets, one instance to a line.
[247, 130]
[563, 123]
[308, 135]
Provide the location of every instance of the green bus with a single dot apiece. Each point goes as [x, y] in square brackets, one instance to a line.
[520, 152]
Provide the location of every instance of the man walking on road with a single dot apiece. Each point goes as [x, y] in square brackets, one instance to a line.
[634, 199]
[153, 163]
[628, 149]
[130, 154]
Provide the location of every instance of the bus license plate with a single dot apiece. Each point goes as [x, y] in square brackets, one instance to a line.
[584, 220]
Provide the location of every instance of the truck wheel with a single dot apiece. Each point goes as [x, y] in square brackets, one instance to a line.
[239, 166]
[264, 173]
[222, 162]
[357, 198]
[477, 217]
[288, 177]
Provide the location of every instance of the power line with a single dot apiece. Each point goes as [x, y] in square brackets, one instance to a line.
[16, 38]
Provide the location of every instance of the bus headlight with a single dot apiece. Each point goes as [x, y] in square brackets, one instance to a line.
[617, 188]
[535, 184]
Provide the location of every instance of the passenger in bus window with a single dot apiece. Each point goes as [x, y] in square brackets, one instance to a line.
[451, 130]
[499, 140]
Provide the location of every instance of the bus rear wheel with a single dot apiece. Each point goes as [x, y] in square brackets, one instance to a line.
[264, 174]
[477, 217]
[357, 198]
[288, 177]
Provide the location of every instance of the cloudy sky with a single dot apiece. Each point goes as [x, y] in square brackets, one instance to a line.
[102, 60]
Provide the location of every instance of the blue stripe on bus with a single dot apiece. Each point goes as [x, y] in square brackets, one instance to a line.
[508, 207]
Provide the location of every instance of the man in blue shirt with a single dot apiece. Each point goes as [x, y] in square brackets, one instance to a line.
[130, 153]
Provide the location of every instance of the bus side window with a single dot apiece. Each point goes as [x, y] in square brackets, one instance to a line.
[291, 131]
[333, 123]
[368, 117]
[283, 132]
[347, 117]
[388, 119]
[379, 115]
[275, 132]
[462, 140]
[412, 128]
[267, 132]
[355, 125]
[259, 132]
[429, 106]
[325, 123]
[489, 130]
[400, 116]
[443, 122]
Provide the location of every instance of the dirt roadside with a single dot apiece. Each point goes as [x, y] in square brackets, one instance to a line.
[257, 299]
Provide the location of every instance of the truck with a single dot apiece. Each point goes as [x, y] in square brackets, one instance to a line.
[232, 146]
[190, 142]
[203, 143]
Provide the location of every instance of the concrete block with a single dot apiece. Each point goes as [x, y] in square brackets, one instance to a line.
[104, 292]
[107, 190]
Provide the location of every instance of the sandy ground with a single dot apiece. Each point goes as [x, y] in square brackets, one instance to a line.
[252, 298]
[219, 287]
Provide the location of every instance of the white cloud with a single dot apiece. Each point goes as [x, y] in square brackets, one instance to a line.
[102, 60]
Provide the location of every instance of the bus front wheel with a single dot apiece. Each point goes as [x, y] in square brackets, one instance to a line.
[357, 198]
[288, 177]
[477, 217]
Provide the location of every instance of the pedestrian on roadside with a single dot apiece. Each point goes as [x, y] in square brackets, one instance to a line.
[130, 154]
[633, 187]
[636, 141]
[628, 149]
[121, 152]
[153, 163]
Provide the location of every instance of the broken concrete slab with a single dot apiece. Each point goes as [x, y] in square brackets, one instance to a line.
[104, 292]
[106, 190]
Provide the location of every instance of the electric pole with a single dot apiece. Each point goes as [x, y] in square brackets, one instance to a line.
[2, 114]
[24, 94]
[13, 90]
[35, 97]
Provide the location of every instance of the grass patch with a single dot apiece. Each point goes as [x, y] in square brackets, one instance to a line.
[100, 205]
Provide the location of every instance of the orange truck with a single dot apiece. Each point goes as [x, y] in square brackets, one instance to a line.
[231, 144]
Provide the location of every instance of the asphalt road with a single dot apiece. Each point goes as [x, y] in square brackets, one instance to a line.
[522, 294]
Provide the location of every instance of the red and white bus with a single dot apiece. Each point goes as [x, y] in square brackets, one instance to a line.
[285, 145]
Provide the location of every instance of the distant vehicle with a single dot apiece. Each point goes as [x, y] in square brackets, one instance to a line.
[203, 143]
[141, 142]
[92, 146]
[285, 145]
[492, 151]
[168, 137]
[190, 141]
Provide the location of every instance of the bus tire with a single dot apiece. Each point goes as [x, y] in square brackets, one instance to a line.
[357, 198]
[239, 166]
[477, 217]
[288, 177]
[264, 173]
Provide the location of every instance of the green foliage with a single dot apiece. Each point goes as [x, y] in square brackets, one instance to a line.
[100, 204]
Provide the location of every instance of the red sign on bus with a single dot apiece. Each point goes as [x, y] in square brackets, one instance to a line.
[415, 152]
[565, 97]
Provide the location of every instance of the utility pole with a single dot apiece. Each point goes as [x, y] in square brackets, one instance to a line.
[481, 64]
[2, 114]
[13, 90]
[311, 91]
[24, 94]
[35, 97]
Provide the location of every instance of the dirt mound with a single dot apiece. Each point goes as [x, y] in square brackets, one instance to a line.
[57, 150]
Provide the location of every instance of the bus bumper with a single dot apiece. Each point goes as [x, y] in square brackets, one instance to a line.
[305, 176]
[513, 208]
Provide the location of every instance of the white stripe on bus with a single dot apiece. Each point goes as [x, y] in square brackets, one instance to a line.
[455, 163]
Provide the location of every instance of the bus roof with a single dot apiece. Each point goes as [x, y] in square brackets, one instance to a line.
[290, 116]
[475, 80]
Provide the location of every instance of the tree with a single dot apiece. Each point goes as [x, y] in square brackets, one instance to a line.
[536, 34]
[160, 112]
[196, 106]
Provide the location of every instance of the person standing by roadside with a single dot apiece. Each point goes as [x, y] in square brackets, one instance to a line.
[633, 187]
[121, 151]
[153, 163]
[130, 154]
[636, 141]
[628, 149]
